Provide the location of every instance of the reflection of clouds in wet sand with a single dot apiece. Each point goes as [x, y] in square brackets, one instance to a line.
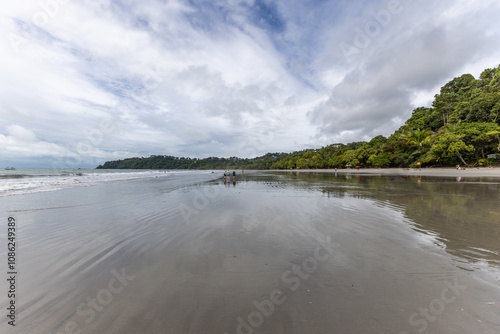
[255, 255]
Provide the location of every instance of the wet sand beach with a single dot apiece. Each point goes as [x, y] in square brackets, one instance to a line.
[273, 252]
[441, 172]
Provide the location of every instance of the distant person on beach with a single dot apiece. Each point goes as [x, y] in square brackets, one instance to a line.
[234, 174]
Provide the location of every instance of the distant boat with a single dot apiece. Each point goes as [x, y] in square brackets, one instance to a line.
[10, 168]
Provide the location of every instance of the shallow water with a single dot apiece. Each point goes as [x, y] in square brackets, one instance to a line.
[272, 253]
[35, 180]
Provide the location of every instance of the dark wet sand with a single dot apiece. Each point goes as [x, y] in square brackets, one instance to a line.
[274, 253]
[474, 172]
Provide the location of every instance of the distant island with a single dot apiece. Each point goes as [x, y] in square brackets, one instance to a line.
[461, 128]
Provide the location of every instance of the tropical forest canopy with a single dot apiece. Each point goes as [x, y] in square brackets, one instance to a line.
[461, 128]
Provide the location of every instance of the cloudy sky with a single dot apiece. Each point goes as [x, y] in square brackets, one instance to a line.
[83, 82]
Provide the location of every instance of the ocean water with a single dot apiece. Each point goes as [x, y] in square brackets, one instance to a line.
[34, 180]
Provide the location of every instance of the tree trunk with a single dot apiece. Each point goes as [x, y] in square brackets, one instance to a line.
[462, 159]
[482, 153]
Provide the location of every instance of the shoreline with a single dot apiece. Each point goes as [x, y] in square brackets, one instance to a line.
[441, 172]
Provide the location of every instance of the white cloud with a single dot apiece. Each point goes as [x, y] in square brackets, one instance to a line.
[223, 78]
[21, 142]
[19, 133]
[406, 63]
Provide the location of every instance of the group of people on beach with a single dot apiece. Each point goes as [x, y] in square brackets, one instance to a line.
[227, 175]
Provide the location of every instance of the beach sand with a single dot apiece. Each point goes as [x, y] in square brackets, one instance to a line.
[273, 253]
[441, 172]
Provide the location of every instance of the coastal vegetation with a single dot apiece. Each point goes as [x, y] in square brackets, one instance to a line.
[462, 127]
[171, 162]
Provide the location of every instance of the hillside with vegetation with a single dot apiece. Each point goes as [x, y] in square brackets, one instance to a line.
[170, 162]
[462, 127]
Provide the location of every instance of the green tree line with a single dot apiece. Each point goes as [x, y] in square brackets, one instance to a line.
[461, 127]
[171, 162]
